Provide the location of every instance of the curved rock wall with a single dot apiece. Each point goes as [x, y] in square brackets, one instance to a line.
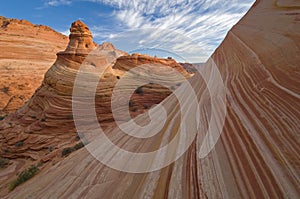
[258, 153]
[46, 120]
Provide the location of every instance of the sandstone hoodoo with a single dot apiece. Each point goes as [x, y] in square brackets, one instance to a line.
[27, 52]
[81, 43]
[43, 130]
[257, 155]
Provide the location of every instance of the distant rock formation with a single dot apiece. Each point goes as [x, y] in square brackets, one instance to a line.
[191, 67]
[257, 155]
[27, 52]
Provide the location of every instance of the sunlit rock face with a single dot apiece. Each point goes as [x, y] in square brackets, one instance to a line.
[81, 43]
[44, 126]
[27, 52]
[257, 155]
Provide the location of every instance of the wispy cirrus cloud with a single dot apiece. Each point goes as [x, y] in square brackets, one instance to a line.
[206, 22]
[57, 2]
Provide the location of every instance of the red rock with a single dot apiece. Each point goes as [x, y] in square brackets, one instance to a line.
[258, 153]
[46, 120]
[27, 52]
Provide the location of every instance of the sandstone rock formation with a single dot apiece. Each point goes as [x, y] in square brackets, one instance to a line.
[27, 52]
[44, 127]
[191, 68]
[258, 153]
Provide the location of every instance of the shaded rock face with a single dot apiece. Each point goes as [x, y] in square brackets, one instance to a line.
[192, 68]
[258, 153]
[146, 96]
[45, 126]
[27, 52]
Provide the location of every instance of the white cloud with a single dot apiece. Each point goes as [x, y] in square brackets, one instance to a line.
[131, 18]
[58, 2]
[65, 32]
[206, 22]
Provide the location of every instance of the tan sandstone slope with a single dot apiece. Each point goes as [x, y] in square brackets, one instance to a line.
[258, 153]
[39, 131]
[27, 52]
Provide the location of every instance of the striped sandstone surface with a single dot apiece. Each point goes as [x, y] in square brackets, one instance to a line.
[27, 52]
[39, 131]
[257, 155]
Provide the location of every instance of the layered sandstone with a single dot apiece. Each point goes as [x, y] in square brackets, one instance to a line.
[40, 130]
[257, 155]
[27, 52]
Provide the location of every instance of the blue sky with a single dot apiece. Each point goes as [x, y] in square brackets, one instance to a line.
[191, 29]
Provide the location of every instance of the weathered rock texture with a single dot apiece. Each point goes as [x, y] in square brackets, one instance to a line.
[258, 153]
[27, 52]
[43, 127]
